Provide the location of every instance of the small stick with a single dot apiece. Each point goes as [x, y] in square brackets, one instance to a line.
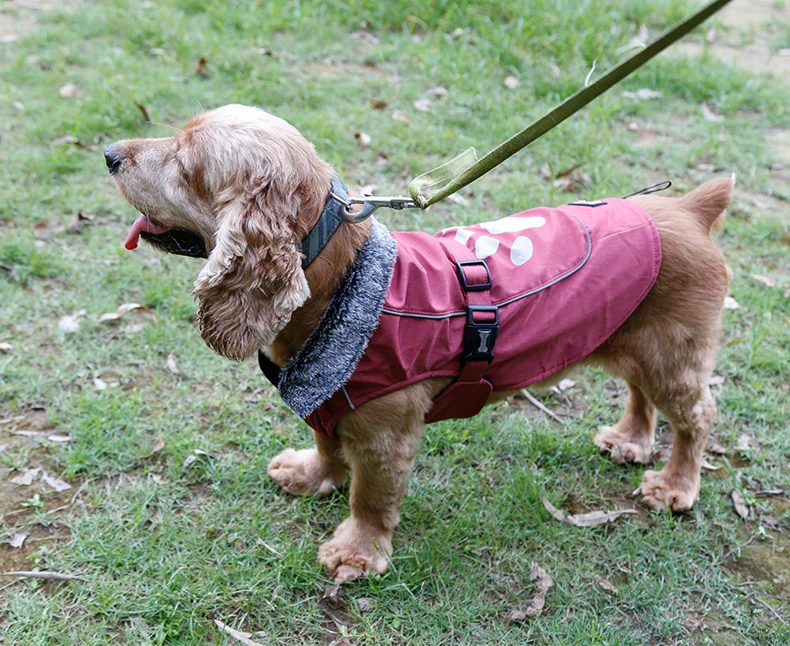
[776, 614]
[49, 576]
[242, 637]
[263, 543]
[537, 404]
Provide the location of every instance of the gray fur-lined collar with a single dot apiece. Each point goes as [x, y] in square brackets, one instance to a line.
[331, 353]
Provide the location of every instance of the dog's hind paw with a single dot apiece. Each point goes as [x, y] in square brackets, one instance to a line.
[305, 473]
[354, 551]
[662, 491]
[623, 447]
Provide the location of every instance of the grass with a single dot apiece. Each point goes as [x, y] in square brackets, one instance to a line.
[167, 539]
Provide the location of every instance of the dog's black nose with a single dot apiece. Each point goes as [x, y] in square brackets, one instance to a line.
[113, 159]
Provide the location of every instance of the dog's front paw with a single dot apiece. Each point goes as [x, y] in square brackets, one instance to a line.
[355, 550]
[661, 490]
[306, 473]
[623, 447]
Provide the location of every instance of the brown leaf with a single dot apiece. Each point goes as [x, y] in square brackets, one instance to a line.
[141, 310]
[643, 94]
[332, 595]
[364, 604]
[378, 105]
[423, 105]
[741, 507]
[542, 584]
[363, 139]
[171, 363]
[202, 67]
[590, 519]
[27, 477]
[511, 82]
[45, 229]
[57, 484]
[401, 116]
[69, 91]
[765, 280]
[605, 584]
[710, 115]
[715, 447]
[158, 446]
[144, 110]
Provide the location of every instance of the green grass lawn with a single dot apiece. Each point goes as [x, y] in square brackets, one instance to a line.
[170, 537]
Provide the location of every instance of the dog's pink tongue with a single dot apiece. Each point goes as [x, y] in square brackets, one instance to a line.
[141, 224]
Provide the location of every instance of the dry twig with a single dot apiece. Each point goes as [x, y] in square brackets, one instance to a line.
[537, 404]
[242, 637]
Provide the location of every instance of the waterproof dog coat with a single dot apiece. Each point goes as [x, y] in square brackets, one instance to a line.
[496, 306]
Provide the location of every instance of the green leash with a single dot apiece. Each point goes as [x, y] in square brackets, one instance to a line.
[466, 168]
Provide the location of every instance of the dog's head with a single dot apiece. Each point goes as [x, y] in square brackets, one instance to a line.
[241, 188]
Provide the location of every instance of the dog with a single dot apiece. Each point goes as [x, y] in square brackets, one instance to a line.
[244, 189]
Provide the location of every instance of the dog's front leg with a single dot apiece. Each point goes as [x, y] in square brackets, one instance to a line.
[379, 441]
[310, 472]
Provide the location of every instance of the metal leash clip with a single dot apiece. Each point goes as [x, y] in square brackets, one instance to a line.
[370, 203]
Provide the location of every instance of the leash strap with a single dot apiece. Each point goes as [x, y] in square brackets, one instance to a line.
[466, 168]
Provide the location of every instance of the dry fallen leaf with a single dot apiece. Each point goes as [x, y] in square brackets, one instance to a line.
[401, 116]
[437, 92]
[142, 310]
[59, 438]
[158, 446]
[363, 139]
[171, 363]
[5, 348]
[202, 67]
[741, 508]
[566, 384]
[710, 115]
[511, 82]
[715, 447]
[17, 540]
[378, 105]
[590, 519]
[542, 584]
[765, 280]
[643, 94]
[27, 477]
[68, 91]
[744, 442]
[605, 584]
[144, 110]
[423, 105]
[364, 604]
[731, 304]
[47, 228]
[99, 383]
[56, 483]
[708, 466]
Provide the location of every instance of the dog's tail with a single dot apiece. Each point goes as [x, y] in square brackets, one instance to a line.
[707, 202]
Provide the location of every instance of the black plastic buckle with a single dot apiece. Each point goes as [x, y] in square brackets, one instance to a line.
[462, 276]
[480, 337]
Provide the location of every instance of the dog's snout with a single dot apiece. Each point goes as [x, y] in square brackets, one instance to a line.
[112, 157]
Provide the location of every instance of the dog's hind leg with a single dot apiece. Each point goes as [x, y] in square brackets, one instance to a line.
[691, 416]
[632, 438]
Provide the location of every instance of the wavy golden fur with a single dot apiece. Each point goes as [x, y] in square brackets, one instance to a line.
[251, 187]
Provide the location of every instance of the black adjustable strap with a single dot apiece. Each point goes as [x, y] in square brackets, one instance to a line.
[269, 369]
[327, 224]
[482, 318]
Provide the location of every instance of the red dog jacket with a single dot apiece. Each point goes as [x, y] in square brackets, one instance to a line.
[498, 306]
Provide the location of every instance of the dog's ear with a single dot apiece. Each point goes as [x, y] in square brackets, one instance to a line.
[253, 279]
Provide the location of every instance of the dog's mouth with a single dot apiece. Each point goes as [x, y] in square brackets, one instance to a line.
[175, 241]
